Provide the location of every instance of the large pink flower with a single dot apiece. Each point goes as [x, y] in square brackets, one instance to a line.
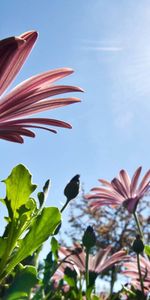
[121, 191]
[131, 270]
[32, 95]
[75, 257]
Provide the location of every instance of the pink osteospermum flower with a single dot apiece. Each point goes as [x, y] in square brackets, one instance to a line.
[131, 270]
[75, 258]
[32, 95]
[121, 191]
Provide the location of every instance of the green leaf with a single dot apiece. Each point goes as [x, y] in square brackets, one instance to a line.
[3, 246]
[70, 276]
[25, 279]
[94, 297]
[147, 250]
[42, 227]
[55, 247]
[18, 189]
[42, 195]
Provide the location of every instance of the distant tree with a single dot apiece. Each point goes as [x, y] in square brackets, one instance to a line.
[115, 227]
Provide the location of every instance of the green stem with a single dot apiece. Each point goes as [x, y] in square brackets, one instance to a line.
[64, 206]
[87, 272]
[113, 278]
[140, 274]
[138, 225]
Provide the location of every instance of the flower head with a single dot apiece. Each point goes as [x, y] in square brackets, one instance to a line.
[121, 191]
[131, 270]
[32, 95]
[75, 257]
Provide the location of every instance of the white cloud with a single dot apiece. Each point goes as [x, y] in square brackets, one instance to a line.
[104, 48]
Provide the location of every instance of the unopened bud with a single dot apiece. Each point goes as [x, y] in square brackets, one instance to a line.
[72, 188]
[89, 238]
[138, 245]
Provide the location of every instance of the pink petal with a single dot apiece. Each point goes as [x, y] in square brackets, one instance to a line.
[16, 111]
[108, 193]
[12, 138]
[45, 121]
[145, 181]
[33, 84]
[113, 259]
[8, 50]
[118, 186]
[134, 181]
[100, 258]
[16, 59]
[105, 183]
[125, 180]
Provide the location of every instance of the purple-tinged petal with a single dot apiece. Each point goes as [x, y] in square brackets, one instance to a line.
[16, 59]
[33, 84]
[108, 193]
[14, 112]
[118, 186]
[8, 50]
[31, 96]
[113, 259]
[144, 182]
[12, 138]
[28, 99]
[100, 258]
[105, 183]
[134, 181]
[45, 121]
[17, 130]
[125, 180]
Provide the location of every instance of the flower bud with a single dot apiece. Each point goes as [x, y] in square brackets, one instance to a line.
[89, 238]
[138, 245]
[72, 188]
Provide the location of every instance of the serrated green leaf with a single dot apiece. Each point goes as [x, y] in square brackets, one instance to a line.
[147, 250]
[18, 189]
[25, 279]
[42, 227]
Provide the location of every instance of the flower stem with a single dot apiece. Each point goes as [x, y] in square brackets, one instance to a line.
[87, 272]
[140, 274]
[64, 206]
[138, 225]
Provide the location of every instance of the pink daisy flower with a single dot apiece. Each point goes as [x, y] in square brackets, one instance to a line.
[131, 270]
[121, 191]
[32, 95]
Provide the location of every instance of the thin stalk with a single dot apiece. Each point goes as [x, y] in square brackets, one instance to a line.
[138, 225]
[113, 279]
[140, 231]
[87, 271]
[140, 274]
[64, 206]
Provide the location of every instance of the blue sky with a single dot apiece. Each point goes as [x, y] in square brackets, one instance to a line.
[107, 43]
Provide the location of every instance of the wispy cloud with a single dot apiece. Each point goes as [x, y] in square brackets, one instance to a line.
[101, 46]
[104, 48]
